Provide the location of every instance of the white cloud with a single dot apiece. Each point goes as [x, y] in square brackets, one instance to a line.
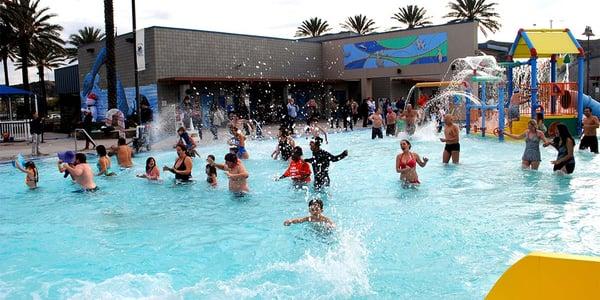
[279, 18]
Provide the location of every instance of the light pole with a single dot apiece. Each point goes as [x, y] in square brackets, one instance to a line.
[588, 32]
[135, 67]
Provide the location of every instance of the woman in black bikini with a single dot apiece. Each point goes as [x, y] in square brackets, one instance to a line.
[183, 165]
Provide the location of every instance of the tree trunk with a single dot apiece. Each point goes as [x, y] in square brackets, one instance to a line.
[5, 61]
[24, 51]
[43, 103]
[111, 69]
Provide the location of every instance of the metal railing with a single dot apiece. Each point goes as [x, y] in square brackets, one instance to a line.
[87, 136]
[19, 130]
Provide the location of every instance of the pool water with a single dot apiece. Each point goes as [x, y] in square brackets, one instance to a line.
[450, 238]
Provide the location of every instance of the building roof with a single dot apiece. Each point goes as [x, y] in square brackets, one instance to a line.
[544, 43]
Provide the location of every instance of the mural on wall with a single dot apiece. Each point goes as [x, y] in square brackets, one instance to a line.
[395, 52]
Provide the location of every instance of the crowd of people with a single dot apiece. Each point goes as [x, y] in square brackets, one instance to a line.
[315, 169]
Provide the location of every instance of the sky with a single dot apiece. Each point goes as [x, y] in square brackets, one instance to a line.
[280, 18]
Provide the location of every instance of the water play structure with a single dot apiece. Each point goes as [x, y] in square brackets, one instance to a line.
[558, 101]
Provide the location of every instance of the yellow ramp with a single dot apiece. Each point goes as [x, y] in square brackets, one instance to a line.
[521, 125]
[549, 276]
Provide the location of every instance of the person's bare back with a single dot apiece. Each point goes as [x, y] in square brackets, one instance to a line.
[124, 154]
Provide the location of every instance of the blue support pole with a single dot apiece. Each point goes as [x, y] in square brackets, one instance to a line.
[501, 113]
[509, 78]
[534, 86]
[468, 113]
[483, 120]
[579, 94]
[483, 98]
[553, 80]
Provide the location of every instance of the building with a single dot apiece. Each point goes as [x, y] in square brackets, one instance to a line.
[260, 73]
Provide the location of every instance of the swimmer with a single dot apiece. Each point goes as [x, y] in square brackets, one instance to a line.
[284, 146]
[565, 144]
[315, 207]
[211, 171]
[81, 172]
[452, 148]
[152, 172]
[103, 162]
[406, 164]
[32, 177]
[239, 140]
[236, 172]
[320, 162]
[187, 142]
[314, 130]
[531, 157]
[124, 153]
[298, 170]
[183, 165]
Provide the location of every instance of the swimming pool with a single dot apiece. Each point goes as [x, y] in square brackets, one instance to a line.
[450, 238]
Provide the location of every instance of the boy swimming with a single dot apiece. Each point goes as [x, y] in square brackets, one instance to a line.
[315, 207]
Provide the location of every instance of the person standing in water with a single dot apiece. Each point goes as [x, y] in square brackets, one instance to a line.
[29, 168]
[236, 172]
[285, 145]
[452, 148]
[320, 163]
[124, 153]
[531, 157]
[565, 144]
[406, 164]
[410, 116]
[104, 162]
[590, 124]
[183, 165]
[315, 207]
[152, 172]
[377, 124]
[298, 170]
[80, 172]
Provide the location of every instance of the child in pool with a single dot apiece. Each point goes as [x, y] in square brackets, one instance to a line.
[315, 207]
[31, 170]
[211, 170]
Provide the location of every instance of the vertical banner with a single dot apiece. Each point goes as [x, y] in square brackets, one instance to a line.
[140, 51]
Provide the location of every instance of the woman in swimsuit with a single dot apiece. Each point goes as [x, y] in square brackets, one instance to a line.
[285, 144]
[531, 157]
[183, 165]
[406, 164]
[103, 162]
[32, 177]
[564, 143]
[152, 172]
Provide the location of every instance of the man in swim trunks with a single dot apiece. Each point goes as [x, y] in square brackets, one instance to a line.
[320, 162]
[81, 172]
[236, 172]
[410, 115]
[377, 124]
[452, 148]
[590, 124]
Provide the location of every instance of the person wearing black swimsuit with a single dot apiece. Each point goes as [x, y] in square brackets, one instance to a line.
[320, 162]
[183, 165]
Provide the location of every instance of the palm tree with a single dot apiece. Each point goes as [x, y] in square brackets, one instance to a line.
[29, 22]
[359, 24]
[413, 16]
[7, 51]
[313, 27]
[84, 36]
[475, 10]
[111, 64]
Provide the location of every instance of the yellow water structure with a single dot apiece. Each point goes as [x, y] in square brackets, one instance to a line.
[549, 276]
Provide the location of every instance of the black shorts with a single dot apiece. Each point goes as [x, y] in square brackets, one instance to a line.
[376, 132]
[452, 147]
[589, 141]
[390, 129]
[569, 166]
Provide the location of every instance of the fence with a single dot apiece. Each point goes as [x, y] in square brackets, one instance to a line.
[19, 130]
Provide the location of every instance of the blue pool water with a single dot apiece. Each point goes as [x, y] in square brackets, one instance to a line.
[449, 239]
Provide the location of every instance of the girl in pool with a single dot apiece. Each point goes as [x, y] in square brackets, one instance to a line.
[285, 144]
[32, 177]
[531, 157]
[315, 207]
[406, 164]
[564, 143]
[103, 162]
[211, 170]
[152, 172]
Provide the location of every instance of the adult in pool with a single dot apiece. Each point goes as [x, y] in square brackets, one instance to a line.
[80, 170]
[298, 170]
[564, 143]
[285, 145]
[406, 164]
[236, 172]
[315, 207]
[183, 165]
[152, 172]
[531, 157]
[320, 162]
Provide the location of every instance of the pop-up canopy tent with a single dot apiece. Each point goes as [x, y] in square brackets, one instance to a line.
[11, 91]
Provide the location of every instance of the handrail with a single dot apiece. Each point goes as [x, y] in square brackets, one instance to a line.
[86, 134]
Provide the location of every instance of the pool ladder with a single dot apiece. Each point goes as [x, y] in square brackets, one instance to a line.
[86, 135]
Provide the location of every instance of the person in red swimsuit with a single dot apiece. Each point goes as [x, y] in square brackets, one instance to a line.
[298, 170]
[406, 164]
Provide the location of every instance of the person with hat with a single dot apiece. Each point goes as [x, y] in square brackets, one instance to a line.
[80, 170]
[513, 108]
[320, 162]
[298, 170]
